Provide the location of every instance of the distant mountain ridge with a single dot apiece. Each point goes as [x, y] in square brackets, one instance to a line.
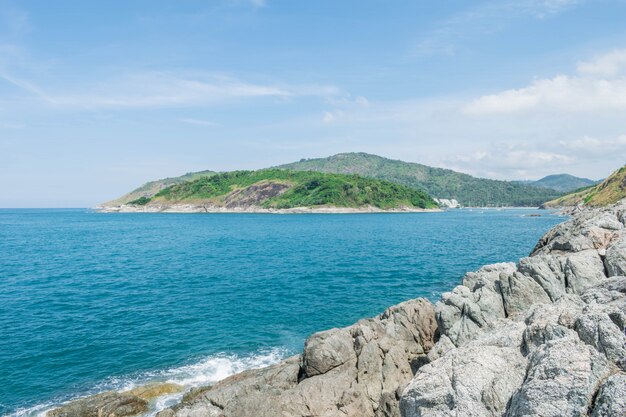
[609, 191]
[438, 182]
[561, 182]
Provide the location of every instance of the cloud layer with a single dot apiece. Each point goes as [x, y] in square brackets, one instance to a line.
[598, 85]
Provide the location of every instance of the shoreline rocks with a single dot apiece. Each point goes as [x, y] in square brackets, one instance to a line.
[109, 404]
[352, 371]
[116, 404]
[204, 208]
[545, 337]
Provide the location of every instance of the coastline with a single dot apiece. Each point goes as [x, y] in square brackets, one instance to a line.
[197, 208]
[492, 327]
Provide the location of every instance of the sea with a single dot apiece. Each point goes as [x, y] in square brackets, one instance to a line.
[91, 302]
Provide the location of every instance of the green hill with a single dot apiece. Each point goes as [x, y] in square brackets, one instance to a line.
[149, 189]
[283, 189]
[438, 182]
[561, 182]
[609, 191]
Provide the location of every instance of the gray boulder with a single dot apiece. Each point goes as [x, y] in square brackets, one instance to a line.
[543, 339]
[107, 404]
[582, 270]
[607, 337]
[354, 371]
[474, 380]
[469, 381]
[547, 271]
[562, 378]
[611, 399]
[615, 258]
[473, 307]
[519, 292]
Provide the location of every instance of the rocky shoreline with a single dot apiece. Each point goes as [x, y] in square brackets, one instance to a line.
[204, 208]
[543, 337]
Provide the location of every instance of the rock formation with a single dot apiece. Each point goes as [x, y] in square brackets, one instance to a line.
[353, 371]
[543, 337]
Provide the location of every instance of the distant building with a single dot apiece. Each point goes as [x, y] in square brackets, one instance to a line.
[448, 203]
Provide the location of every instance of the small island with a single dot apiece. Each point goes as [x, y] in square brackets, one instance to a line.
[279, 191]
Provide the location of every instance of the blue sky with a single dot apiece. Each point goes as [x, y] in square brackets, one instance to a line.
[99, 97]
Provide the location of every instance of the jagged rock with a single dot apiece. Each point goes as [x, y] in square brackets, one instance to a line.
[582, 270]
[562, 378]
[519, 292]
[611, 399]
[472, 380]
[150, 391]
[547, 271]
[589, 229]
[354, 371]
[471, 308]
[327, 350]
[443, 346]
[599, 331]
[107, 404]
[610, 291]
[615, 259]
[564, 320]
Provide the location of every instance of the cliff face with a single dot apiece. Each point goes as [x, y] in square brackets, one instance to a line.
[543, 337]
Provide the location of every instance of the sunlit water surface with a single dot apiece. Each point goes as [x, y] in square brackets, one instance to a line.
[92, 301]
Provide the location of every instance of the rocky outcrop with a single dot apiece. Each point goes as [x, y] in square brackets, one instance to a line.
[107, 404]
[116, 404]
[353, 371]
[545, 337]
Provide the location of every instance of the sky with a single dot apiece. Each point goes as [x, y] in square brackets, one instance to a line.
[99, 97]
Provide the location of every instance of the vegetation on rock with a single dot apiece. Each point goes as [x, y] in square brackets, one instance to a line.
[609, 191]
[149, 189]
[438, 182]
[282, 189]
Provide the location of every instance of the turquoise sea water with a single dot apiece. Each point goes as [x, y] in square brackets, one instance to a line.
[92, 301]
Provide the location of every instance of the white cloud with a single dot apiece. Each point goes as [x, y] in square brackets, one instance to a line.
[607, 65]
[544, 8]
[535, 159]
[597, 86]
[164, 90]
[591, 145]
[198, 122]
[23, 85]
[508, 161]
[152, 90]
[486, 18]
[328, 117]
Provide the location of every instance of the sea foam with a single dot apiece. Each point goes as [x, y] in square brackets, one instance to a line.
[206, 371]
